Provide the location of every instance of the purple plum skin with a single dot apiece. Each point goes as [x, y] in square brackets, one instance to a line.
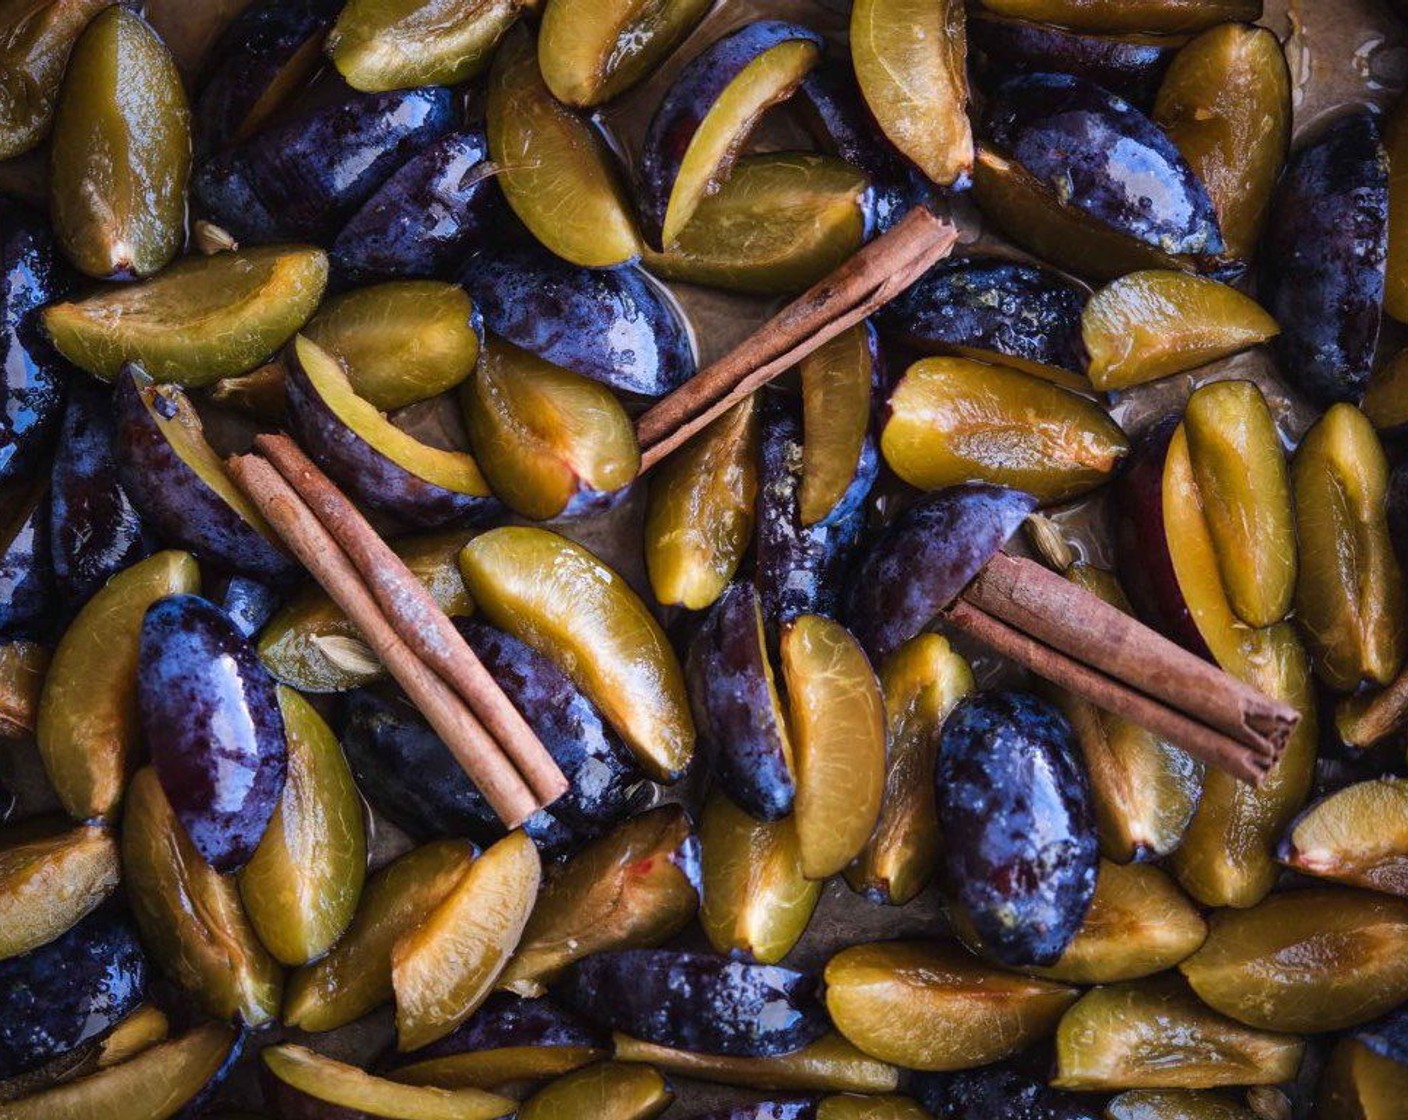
[70, 991]
[210, 716]
[95, 530]
[176, 502]
[698, 1001]
[364, 472]
[734, 708]
[249, 603]
[801, 569]
[616, 326]
[1007, 1091]
[1106, 158]
[1324, 256]
[803, 1108]
[1001, 48]
[423, 220]
[1004, 308]
[506, 1020]
[925, 557]
[250, 55]
[1020, 851]
[302, 180]
[32, 374]
[27, 599]
[688, 101]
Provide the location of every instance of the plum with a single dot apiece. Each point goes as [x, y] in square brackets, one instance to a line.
[1105, 158]
[801, 568]
[615, 326]
[925, 557]
[699, 1002]
[1013, 1090]
[1020, 849]
[32, 273]
[304, 178]
[1324, 258]
[249, 603]
[211, 718]
[75, 988]
[736, 706]
[423, 219]
[26, 568]
[95, 530]
[803, 1108]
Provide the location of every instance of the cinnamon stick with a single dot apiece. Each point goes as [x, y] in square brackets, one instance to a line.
[863, 284]
[1065, 617]
[1197, 739]
[475, 750]
[415, 615]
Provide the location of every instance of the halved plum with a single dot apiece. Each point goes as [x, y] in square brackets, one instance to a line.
[377, 45]
[607, 1091]
[837, 383]
[590, 52]
[50, 883]
[1151, 16]
[830, 1064]
[1357, 835]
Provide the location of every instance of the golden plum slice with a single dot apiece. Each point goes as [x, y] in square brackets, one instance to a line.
[1155, 323]
[921, 681]
[39, 35]
[355, 977]
[1226, 103]
[592, 50]
[121, 153]
[700, 514]
[555, 167]
[933, 1006]
[312, 646]
[836, 384]
[1176, 1104]
[48, 884]
[838, 728]
[569, 606]
[446, 967]
[953, 420]
[1312, 960]
[780, 223]
[1349, 597]
[87, 729]
[190, 914]
[400, 342]
[1153, 16]
[299, 1082]
[757, 902]
[607, 1091]
[381, 45]
[1245, 492]
[1157, 1035]
[852, 1106]
[910, 58]
[202, 319]
[23, 666]
[635, 887]
[137, 1033]
[155, 1085]
[830, 1064]
[1139, 923]
[1359, 1084]
[1357, 835]
[1143, 789]
[301, 887]
[551, 442]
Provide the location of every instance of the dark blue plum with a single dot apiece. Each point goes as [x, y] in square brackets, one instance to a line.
[599, 767]
[506, 1020]
[303, 179]
[1324, 255]
[802, 1108]
[266, 50]
[698, 1001]
[32, 374]
[210, 717]
[1019, 849]
[70, 991]
[1014, 1090]
[801, 569]
[993, 309]
[687, 102]
[735, 707]
[26, 568]
[249, 603]
[426, 217]
[95, 530]
[408, 774]
[616, 326]
[925, 557]
[1106, 158]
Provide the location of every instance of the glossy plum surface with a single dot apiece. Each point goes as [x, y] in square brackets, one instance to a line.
[26, 569]
[1020, 849]
[211, 720]
[1015, 1090]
